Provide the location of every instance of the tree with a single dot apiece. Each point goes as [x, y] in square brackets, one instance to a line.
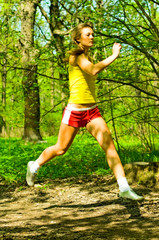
[55, 21]
[30, 82]
[127, 91]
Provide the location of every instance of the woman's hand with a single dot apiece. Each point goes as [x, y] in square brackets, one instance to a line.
[116, 49]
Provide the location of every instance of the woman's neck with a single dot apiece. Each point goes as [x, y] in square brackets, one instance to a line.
[84, 49]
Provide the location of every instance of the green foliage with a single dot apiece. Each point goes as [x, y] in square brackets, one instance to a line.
[126, 92]
[84, 157]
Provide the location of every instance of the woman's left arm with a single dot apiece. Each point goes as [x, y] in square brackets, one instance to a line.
[94, 69]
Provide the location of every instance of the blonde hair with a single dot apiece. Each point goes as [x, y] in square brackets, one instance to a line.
[76, 34]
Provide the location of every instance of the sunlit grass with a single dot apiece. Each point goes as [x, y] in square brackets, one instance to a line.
[84, 157]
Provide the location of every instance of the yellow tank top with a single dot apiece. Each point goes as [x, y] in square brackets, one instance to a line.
[82, 86]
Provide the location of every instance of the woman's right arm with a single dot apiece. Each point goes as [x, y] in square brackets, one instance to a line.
[94, 69]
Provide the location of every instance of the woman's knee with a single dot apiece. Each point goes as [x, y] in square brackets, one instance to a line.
[60, 150]
[106, 140]
[54, 151]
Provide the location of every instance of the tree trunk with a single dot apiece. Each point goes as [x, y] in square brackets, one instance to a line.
[55, 23]
[4, 80]
[30, 83]
[145, 173]
[4, 74]
[32, 105]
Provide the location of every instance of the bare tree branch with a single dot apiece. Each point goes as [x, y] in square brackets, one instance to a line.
[129, 113]
[141, 48]
[105, 79]
[55, 31]
[132, 85]
[121, 97]
[154, 1]
[148, 18]
[52, 109]
[44, 14]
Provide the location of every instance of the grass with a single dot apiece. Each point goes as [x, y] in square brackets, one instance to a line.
[84, 157]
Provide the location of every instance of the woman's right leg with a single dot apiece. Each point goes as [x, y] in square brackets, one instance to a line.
[65, 138]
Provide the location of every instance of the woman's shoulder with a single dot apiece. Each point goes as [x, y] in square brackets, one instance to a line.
[73, 59]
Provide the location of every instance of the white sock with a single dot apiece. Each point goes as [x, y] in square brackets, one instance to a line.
[123, 184]
[35, 167]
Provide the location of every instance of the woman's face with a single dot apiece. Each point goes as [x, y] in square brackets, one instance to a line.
[86, 38]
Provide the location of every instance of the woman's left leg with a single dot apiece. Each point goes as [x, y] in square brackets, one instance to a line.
[98, 128]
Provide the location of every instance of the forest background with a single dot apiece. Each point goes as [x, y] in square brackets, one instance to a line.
[35, 38]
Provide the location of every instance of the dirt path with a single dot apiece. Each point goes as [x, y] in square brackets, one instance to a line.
[86, 208]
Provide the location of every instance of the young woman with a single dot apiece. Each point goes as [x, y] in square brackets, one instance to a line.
[82, 111]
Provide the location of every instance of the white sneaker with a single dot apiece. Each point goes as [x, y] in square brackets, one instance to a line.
[130, 195]
[30, 176]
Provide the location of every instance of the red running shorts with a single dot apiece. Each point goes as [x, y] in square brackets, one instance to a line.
[77, 117]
